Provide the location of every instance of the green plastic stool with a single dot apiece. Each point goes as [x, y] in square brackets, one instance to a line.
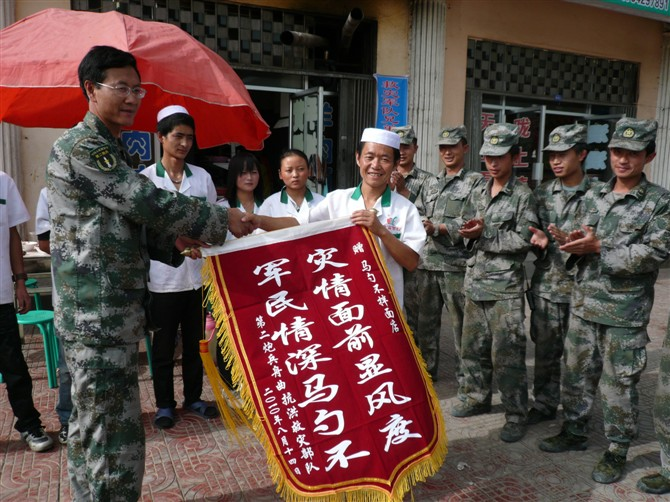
[44, 320]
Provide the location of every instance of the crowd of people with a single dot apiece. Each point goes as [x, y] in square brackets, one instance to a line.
[125, 259]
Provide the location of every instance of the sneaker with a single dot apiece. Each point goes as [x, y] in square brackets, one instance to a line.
[62, 434]
[536, 416]
[512, 432]
[37, 439]
[564, 441]
[655, 483]
[462, 409]
[609, 469]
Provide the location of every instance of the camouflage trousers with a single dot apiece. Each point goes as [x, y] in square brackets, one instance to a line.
[494, 342]
[662, 407]
[106, 436]
[435, 289]
[608, 357]
[548, 329]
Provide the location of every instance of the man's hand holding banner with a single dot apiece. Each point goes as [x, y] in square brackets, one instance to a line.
[320, 349]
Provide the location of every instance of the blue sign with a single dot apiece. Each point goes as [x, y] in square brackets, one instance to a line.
[391, 101]
[138, 143]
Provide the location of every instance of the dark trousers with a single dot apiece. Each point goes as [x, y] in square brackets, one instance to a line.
[169, 311]
[15, 372]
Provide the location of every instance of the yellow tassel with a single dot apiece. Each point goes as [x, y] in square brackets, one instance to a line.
[228, 404]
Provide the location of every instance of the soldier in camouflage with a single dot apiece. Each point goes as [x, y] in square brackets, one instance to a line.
[409, 181]
[551, 286]
[100, 208]
[497, 218]
[659, 483]
[616, 253]
[441, 271]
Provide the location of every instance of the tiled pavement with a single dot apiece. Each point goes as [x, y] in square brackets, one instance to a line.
[198, 460]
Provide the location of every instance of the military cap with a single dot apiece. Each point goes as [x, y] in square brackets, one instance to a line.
[406, 133]
[565, 137]
[633, 134]
[499, 139]
[451, 135]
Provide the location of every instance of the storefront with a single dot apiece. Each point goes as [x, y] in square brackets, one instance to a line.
[537, 63]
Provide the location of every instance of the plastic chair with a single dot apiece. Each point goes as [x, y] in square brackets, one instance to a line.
[30, 284]
[44, 320]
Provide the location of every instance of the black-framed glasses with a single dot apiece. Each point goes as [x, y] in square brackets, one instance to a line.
[124, 90]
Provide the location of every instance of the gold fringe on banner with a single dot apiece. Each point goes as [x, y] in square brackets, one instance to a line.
[416, 473]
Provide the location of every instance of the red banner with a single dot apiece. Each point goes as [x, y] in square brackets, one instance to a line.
[341, 397]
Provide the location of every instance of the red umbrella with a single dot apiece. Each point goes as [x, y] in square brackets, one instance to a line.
[39, 86]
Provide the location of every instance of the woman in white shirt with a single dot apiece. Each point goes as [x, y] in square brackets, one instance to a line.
[294, 199]
[176, 293]
[244, 188]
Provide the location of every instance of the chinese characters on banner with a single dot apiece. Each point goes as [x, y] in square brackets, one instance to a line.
[391, 101]
[342, 401]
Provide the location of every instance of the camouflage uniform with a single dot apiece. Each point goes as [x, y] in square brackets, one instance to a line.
[441, 270]
[551, 287]
[100, 254]
[610, 306]
[662, 406]
[415, 181]
[494, 337]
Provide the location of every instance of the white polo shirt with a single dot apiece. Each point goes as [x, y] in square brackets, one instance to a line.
[394, 211]
[281, 204]
[13, 212]
[196, 183]
[42, 223]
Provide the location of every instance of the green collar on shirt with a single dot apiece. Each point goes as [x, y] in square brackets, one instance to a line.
[386, 196]
[283, 196]
[160, 170]
[257, 201]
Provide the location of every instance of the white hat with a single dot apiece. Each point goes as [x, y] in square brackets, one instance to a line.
[381, 136]
[170, 110]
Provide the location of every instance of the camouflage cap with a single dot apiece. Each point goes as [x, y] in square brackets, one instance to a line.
[451, 135]
[633, 134]
[565, 137]
[499, 138]
[406, 133]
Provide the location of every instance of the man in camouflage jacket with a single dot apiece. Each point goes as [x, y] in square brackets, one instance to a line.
[99, 209]
[441, 271]
[551, 285]
[623, 239]
[497, 220]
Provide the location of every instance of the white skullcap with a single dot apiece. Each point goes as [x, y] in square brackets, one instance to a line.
[381, 136]
[170, 110]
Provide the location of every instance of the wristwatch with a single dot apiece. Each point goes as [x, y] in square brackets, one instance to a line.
[22, 276]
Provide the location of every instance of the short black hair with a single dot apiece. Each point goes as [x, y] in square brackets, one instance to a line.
[99, 59]
[396, 151]
[515, 150]
[651, 147]
[166, 125]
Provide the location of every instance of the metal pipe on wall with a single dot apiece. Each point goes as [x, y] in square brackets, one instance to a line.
[300, 39]
[350, 25]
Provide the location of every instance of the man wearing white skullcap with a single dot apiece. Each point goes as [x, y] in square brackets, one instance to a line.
[176, 292]
[391, 217]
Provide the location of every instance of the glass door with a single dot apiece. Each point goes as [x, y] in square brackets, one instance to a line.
[306, 132]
